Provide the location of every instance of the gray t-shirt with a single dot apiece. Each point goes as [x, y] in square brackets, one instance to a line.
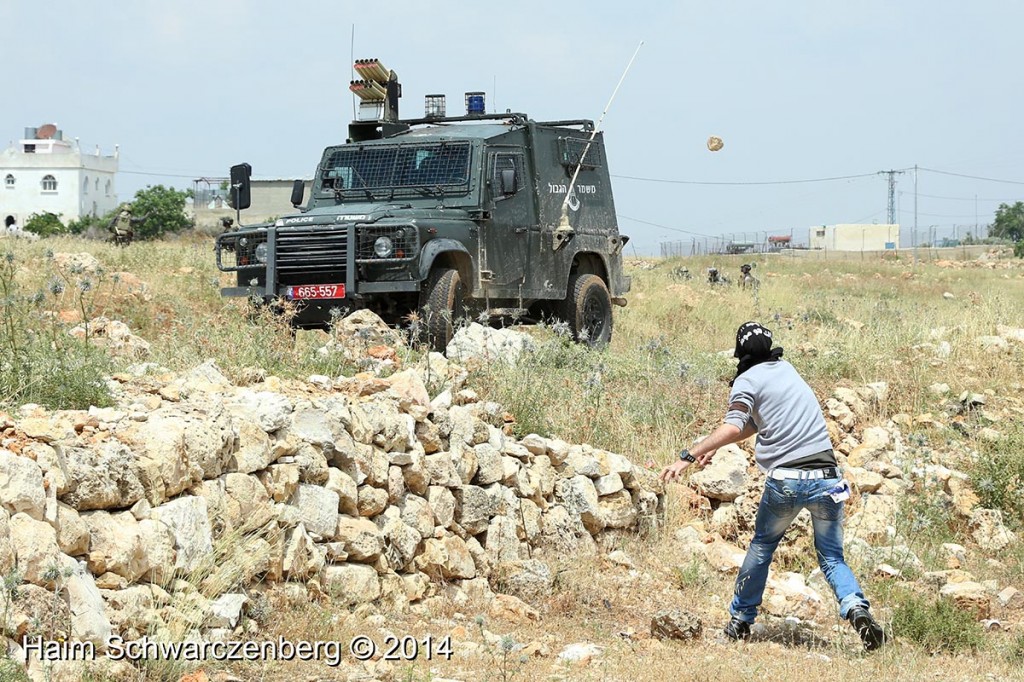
[785, 411]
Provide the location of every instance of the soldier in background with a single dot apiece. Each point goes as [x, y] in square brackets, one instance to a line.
[122, 227]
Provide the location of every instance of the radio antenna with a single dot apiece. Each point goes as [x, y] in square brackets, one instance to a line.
[352, 66]
[564, 229]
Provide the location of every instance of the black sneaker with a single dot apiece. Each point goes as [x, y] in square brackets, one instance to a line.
[737, 629]
[871, 633]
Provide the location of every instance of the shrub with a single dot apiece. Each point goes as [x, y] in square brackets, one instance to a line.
[45, 224]
[1018, 249]
[89, 224]
[39, 361]
[998, 476]
[936, 624]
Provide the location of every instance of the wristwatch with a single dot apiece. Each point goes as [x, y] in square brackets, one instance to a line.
[686, 456]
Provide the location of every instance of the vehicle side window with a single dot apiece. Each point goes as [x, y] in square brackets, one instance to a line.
[507, 161]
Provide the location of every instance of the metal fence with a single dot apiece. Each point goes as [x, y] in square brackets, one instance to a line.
[925, 236]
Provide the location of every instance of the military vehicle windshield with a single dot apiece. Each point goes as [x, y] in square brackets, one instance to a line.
[377, 171]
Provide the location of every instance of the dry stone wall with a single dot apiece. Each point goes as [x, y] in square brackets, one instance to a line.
[170, 512]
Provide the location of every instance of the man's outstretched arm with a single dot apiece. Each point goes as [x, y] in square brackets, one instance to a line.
[706, 449]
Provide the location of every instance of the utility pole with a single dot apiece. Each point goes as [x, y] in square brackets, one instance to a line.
[892, 193]
[915, 214]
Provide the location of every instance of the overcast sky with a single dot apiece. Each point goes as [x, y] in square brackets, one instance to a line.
[801, 89]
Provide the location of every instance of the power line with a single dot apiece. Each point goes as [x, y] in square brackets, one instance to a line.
[675, 229]
[936, 196]
[761, 182]
[972, 177]
[162, 175]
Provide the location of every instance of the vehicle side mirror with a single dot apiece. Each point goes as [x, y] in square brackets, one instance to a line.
[508, 182]
[241, 195]
[298, 192]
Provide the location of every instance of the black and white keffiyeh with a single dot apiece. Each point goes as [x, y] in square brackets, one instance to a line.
[753, 346]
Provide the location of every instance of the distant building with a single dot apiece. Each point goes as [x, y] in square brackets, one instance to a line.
[44, 173]
[854, 237]
[270, 197]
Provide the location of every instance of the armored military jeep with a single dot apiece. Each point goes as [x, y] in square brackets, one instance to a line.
[441, 219]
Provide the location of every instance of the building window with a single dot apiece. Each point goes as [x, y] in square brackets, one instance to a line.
[49, 183]
[85, 186]
[97, 185]
[9, 181]
[107, 189]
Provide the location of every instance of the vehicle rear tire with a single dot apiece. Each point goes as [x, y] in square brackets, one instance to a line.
[587, 309]
[442, 304]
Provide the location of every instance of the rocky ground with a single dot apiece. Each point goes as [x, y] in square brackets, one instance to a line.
[399, 502]
[191, 504]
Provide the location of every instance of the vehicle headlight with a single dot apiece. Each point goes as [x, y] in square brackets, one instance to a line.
[383, 247]
[243, 242]
[261, 252]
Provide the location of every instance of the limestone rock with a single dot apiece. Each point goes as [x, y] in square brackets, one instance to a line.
[318, 509]
[416, 513]
[350, 584]
[225, 610]
[507, 607]
[72, 531]
[726, 477]
[474, 508]
[617, 510]
[254, 451]
[346, 489]
[175, 450]
[606, 485]
[371, 501]
[970, 596]
[116, 545]
[188, 521]
[361, 539]
[89, 622]
[987, 529]
[529, 579]
[248, 505]
[476, 342]
[402, 543]
[502, 540]
[21, 485]
[676, 624]
[269, 410]
[104, 476]
[442, 504]
[302, 558]
[788, 594]
[579, 497]
[447, 558]
[282, 480]
[34, 544]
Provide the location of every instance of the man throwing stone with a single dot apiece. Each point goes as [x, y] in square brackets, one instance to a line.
[770, 399]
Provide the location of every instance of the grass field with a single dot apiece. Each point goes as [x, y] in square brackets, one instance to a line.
[662, 382]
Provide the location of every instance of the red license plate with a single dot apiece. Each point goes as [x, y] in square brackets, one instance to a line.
[308, 291]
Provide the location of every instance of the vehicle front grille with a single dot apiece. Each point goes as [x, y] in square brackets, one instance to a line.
[312, 256]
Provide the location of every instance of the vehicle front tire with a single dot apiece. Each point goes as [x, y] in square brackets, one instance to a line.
[442, 304]
[588, 310]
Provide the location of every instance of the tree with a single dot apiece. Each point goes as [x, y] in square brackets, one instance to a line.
[45, 224]
[1009, 222]
[163, 210]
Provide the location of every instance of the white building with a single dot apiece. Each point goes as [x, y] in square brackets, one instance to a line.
[854, 237]
[44, 173]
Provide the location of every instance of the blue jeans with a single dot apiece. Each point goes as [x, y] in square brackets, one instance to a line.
[780, 503]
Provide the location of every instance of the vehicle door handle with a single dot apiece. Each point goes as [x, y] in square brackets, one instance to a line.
[520, 230]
